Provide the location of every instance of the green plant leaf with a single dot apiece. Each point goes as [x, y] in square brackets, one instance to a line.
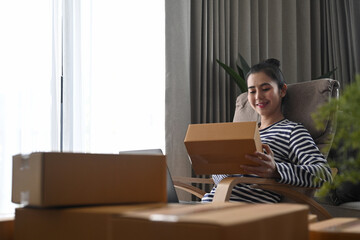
[240, 82]
[240, 71]
[327, 75]
[244, 65]
[346, 140]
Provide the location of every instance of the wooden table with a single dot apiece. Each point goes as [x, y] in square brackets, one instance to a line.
[6, 227]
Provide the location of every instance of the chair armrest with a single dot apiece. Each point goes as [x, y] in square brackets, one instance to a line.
[184, 183]
[193, 180]
[189, 188]
[224, 188]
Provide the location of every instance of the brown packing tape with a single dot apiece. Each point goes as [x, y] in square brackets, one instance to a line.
[24, 162]
[27, 177]
[24, 197]
[24, 166]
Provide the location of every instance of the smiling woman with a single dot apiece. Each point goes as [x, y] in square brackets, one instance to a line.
[289, 154]
[267, 88]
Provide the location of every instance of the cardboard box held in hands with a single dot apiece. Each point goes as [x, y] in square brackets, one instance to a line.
[220, 148]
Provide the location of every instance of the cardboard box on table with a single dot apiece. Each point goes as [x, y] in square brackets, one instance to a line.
[220, 148]
[165, 221]
[336, 229]
[69, 179]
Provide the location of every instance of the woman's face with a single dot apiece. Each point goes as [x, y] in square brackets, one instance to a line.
[264, 95]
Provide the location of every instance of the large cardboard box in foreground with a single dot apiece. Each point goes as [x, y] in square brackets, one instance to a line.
[219, 221]
[336, 229]
[220, 148]
[69, 179]
[215, 222]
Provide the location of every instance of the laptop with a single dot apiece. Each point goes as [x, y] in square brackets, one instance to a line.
[171, 192]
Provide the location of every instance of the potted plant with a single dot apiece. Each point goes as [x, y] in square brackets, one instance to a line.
[347, 138]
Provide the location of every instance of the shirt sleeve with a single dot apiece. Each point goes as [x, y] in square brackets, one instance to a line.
[307, 166]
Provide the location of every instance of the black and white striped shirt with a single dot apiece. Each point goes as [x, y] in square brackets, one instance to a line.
[298, 160]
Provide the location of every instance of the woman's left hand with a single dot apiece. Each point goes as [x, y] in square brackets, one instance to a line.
[265, 162]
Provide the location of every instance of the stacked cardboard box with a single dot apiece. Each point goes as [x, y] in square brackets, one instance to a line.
[336, 229]
[165, 221]
[6, 227]
[50, 184]
[73, 179]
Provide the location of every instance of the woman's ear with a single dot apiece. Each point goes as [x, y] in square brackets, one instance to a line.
[283, 91]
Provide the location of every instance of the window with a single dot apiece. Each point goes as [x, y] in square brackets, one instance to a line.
[25, 92]
[127, 93]
[112, 56]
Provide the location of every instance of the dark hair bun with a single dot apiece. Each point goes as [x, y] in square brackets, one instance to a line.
[273, 61]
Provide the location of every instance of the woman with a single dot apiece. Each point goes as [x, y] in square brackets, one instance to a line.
[290, 155]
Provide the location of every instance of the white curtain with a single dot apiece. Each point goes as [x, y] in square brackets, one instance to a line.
[111, 57]
[75, 69]
[25, 85]
[127, 95]
[177, 87]
[114, 75]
